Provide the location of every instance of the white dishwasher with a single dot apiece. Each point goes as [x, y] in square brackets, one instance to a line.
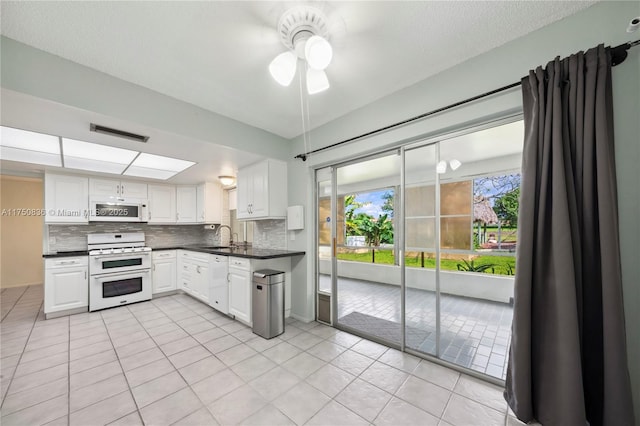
[219, 283]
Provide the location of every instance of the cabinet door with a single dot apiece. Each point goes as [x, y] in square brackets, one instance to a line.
[66, 199]
[164, 275]
[133, 190]
[209, 203]
[260, 190]
[202, 286]
[186, 204]
[162, 204]
[66, 288]
[104, 187]
[240, 294]
[244, 193]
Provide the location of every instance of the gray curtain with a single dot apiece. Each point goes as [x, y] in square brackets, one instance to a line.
[568, 362]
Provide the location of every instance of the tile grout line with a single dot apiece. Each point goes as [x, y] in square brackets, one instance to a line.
[123, 373]
[23, 349]
[16, 302]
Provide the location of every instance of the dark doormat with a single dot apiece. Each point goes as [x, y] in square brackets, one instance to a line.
[384, 329]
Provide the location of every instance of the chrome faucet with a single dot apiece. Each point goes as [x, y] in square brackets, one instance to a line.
[230, 232]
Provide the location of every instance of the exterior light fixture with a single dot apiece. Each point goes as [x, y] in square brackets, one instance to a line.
[454, 164]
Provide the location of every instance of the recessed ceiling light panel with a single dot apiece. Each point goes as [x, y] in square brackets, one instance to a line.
[159, 162]
[29, 147]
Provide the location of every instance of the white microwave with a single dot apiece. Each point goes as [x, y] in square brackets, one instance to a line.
[118, 210]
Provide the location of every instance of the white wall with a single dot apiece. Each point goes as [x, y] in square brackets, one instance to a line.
[34, 72]
[605, 23]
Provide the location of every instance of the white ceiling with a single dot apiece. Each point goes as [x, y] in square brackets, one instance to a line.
[215, 54]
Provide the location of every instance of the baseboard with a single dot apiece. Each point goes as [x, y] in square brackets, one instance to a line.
[301, 319]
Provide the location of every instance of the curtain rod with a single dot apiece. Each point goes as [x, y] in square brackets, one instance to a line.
[618, 55]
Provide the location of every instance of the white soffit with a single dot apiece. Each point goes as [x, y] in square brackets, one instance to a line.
[215, 54]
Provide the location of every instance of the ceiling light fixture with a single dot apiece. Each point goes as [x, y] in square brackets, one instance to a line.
[303, 31]
[227, 180]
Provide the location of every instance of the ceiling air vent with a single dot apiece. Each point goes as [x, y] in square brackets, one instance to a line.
[118, 133]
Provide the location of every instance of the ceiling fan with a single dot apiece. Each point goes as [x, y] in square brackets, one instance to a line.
[303, 31]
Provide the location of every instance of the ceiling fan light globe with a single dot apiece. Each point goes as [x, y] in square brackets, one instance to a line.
[317, 81]
[441, 167]
[283, 68]
[454, 164]
[318, 52]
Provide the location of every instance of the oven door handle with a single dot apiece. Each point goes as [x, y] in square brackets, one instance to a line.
[121, 274]
[145, 254]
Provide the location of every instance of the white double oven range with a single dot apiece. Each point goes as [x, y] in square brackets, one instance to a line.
[119, 269]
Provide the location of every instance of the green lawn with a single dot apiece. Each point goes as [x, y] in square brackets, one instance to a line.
[386, 257]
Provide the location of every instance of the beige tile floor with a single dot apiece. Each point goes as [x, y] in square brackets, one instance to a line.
[174, 360]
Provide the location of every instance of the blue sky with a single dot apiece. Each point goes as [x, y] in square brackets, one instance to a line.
[374, 200]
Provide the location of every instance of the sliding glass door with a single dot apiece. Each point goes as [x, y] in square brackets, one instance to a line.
[367, 269]
[417, 246]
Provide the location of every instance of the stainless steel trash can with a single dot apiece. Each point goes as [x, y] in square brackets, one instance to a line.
[268, 303]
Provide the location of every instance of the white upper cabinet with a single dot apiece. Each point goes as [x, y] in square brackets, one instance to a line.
[117, 189]
[262, 190]
[66, 199]
[162, 204]
[186, 204]
[209, 203]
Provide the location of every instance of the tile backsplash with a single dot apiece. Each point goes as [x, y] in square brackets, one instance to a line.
[270, 234]
[266, 234]
[74, 237]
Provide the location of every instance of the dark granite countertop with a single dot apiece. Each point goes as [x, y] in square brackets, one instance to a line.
[65, 254]
[248, 252]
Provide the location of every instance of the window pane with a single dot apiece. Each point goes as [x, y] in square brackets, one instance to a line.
[455, 233]
[455, 198]
[324, 226]
[420, 233]
[420, 201]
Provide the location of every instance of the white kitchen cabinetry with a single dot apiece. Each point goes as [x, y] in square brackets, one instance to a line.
[164, 275]
[240, 289]
[186, 204]
[66, 199]
[219, 283]
[193, 274]
[209, 203]
[66, 285]
[117, 189]
[162, 203]
[262, 190]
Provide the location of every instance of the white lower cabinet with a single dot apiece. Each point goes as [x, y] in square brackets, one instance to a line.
[193, 274]
[225, 282]
[66, 284]
[240, 289]
[164, 277]
[219, 283]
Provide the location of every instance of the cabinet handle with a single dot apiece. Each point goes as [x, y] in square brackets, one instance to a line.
[198, 269]
[118, 189]
[85, 275]
[177, 216]
[228, 278]
[154, 266]
[121, 189]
